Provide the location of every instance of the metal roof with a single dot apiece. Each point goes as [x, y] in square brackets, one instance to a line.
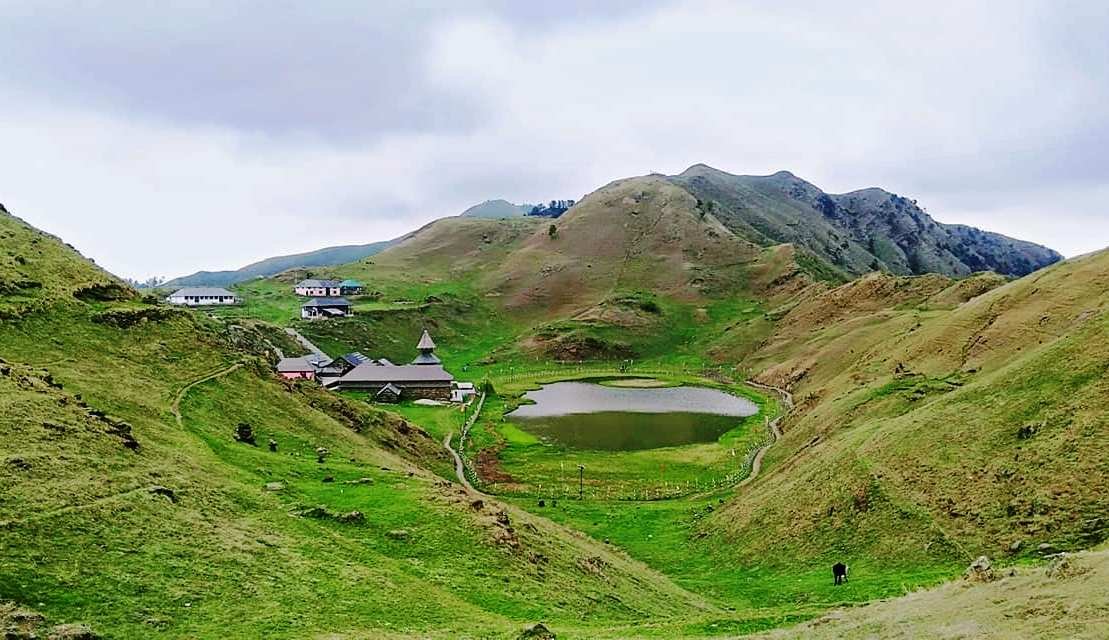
[425, 359]
[425, 341]
[354, 358]
[327, 302]
[202, 292]
[295, 365]
[312, 282]
[350, 283]
[367, 372]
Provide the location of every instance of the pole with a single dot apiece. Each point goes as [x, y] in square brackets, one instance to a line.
[581, 481]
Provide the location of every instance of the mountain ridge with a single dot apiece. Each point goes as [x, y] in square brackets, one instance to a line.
[858, 231]
[325, 257]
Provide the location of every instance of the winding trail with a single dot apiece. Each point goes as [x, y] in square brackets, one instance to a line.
[775, 431]
[459, 467]
[305, 342]
[176, 407]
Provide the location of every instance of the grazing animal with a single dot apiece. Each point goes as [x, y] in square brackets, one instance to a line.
[839, 572]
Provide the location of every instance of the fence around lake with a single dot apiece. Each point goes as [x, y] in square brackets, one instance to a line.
[661, 491]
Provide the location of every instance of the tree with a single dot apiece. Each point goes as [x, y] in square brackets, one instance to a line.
[552, 231]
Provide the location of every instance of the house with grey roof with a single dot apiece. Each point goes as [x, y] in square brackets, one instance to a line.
[424, 378]
[202, 296]
[315, 287]
[320, 308]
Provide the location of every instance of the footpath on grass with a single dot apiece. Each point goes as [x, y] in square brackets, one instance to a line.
[305, 342]
[459, 464]
[176, 407]
[775, 430]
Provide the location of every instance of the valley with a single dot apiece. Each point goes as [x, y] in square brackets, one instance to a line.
[935, 417]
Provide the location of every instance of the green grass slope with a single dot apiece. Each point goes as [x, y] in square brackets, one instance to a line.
[1068, 600]
[939, 432]
[126, 502]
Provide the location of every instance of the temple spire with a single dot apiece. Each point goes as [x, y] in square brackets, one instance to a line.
[426, 347]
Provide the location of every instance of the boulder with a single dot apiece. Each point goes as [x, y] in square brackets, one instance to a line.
[980, 571]
[1062, 567]
[397, 534]
[537, 631]
[72, 632]
[275, 486]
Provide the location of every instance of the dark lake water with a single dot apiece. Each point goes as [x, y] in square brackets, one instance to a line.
[583, 415]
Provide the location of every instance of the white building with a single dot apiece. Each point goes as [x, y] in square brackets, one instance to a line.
[202, 296]
[318, 288]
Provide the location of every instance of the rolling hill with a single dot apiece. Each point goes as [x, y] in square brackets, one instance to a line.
[127, 503]
[937, 417]
[496, 209]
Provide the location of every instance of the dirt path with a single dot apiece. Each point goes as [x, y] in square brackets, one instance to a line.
[775, 431]
[459, 467]
[306, 343]
[176, 407]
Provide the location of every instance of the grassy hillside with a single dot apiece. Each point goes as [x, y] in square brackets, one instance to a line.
[939, 431]
[496, 209]
[858, 232]
[1068, 600]
[128, 504]
[936, 419]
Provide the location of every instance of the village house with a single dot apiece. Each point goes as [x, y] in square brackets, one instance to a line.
[425, 378]
[202, 296]
[313, 287]
[320, 308]
[350, 288]
[303, 368]
[462, 391]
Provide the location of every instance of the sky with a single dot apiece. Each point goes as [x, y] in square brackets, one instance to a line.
[163, 138]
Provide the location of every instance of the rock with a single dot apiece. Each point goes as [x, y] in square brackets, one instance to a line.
[354, 517]
[321, 454]
[359, 481]
[1045, 547]
[980, 571]
[1061, 567]
[542, 503]
[18, 463]
[329, 478]
[315, 512]
[477, 505]
[275, 486]
[537, 631]
[397, 534]
[72, 632]
[165, 492]
[245, 433]
[593, 565]
[1015, 546]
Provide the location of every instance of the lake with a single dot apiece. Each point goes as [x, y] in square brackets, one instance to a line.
[585, 415]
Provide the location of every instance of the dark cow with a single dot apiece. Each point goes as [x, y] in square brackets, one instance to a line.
[839, 572]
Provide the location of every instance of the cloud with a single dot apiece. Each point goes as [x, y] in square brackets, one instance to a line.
[139, 134]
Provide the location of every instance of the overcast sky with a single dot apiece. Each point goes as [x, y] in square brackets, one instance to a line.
[164, 140]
